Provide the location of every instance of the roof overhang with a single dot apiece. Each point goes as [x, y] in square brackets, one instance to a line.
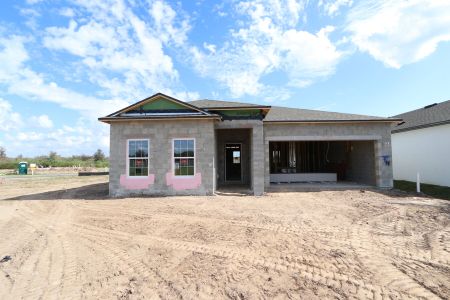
[238, 107]
[420, 126]
[157, 118]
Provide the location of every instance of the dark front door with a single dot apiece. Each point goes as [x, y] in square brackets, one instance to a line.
[233, 162]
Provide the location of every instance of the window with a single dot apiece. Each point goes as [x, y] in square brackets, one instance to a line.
[236, 157]
[138, 157]
[184, 157]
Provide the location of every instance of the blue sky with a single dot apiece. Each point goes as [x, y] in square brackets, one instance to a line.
[63, 64]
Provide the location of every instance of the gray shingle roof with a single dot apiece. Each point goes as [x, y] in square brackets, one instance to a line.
[430, 115]
[206, 103]
[279, 114]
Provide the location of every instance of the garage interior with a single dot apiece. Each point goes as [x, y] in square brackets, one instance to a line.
[322, 161]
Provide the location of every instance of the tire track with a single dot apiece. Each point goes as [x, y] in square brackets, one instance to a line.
[52, 257]
[125, 261]
[391, 277]
[282, 264]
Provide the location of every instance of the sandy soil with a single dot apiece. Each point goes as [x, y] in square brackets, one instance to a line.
[67, 240]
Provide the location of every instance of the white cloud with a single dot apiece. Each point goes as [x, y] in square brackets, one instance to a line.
[308, 56]
[42, 121]
[8, 118]
[83, 138]
[29, 136]
[120, 48]
[31, 2]
[167, 27]
[269, 42]
[67, 12]
[122, 52]
[210, 47]
[23, 81]
[331, 8]
[399, 32]
[12, 56]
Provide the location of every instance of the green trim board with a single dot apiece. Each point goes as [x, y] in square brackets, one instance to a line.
[152, 98]
[161, 103]
[241, 113]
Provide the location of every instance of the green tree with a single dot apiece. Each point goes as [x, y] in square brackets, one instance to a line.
[53, 156]
[99, 155]
[2, 153]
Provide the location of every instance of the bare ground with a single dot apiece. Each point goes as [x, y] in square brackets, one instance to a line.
[67, 240]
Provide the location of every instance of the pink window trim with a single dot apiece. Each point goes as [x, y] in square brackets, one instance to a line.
[180, 183]
[137, 183]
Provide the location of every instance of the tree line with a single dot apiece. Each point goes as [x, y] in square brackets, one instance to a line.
[53, 159]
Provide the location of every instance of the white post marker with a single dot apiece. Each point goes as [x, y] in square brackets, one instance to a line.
[418, 182]
[32, 167]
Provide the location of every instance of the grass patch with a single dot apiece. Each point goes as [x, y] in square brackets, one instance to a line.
[437, 191]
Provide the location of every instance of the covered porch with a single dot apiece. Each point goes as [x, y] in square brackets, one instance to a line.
[239, 157]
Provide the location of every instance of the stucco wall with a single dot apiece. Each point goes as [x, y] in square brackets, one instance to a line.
[379, 133]
[160, 134]
[424, 150]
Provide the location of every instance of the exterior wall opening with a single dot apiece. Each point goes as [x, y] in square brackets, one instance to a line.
[322, 161]
[233, 164]
[233, 156]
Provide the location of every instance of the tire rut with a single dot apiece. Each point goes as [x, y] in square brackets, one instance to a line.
[282, 264]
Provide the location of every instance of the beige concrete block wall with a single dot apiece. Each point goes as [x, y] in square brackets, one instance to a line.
[160, 134]
[380, 133]
[361, 164]
[258, 156]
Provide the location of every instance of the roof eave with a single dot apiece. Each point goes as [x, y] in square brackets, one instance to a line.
[237, 107]
[108, 119]
[420, 126]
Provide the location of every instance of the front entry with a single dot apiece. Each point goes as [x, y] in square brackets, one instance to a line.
[233, 170]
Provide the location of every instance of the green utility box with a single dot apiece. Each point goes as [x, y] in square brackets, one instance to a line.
[23, 168]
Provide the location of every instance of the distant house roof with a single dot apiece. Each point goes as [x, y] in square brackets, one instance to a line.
[428, 116]
[288, 114]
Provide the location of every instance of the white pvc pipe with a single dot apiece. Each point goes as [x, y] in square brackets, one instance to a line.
[418, 182]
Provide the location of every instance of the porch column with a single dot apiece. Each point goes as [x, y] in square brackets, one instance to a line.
[258, 160]
[383, 171]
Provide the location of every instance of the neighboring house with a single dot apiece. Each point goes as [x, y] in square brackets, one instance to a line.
[164, 146]
[421, 144]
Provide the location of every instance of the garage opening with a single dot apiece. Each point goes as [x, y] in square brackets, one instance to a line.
[322, 161]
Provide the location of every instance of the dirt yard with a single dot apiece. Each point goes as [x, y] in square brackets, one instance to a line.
[62, 238]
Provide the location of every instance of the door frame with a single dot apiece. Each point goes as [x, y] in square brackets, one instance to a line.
[225, 163]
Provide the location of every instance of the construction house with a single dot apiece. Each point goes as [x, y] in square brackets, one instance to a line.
[165, 146]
